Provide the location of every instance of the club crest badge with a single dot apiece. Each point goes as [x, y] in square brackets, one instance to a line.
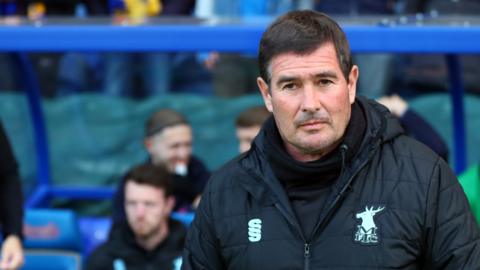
[367, 231]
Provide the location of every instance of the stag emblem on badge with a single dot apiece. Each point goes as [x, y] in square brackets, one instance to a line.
[367, 232]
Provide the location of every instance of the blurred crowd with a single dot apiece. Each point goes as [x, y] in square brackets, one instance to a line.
[140, 75]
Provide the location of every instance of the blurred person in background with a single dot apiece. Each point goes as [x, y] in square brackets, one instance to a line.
[429, 73]
[10, 14]
[168, 141]
[377, 68]
[149, 239]
[248, 124]
[415, 125]
[11, 207]
[234, 74]
[152, 69]
[58, 73]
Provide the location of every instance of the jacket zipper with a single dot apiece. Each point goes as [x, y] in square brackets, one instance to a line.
[307, 256]
[306, 247]
[320, 226]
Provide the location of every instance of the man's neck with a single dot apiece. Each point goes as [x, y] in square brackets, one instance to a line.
[151, 242]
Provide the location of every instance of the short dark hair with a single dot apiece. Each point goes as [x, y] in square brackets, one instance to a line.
[153, 175]
[253, 116]
[302, 32]
[163, 118]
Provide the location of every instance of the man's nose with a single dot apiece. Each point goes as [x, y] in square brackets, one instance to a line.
[140, 210]
[310, 101]
[183, 152]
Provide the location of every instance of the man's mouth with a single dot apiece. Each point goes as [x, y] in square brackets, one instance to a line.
[311, 123]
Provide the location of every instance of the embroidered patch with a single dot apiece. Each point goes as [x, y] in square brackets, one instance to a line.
[254, 230]
[367, 231]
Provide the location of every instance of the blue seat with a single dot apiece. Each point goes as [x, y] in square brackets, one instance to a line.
[52, 260]
[52, 229]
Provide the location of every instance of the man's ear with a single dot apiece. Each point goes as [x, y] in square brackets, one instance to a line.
[148, 144]
[352, 83]
[169, 204]
[265, 91]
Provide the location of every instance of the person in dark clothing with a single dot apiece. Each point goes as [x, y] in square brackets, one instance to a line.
[248, 124]
[11, 207]
[149, 239]
[378, 69]
[331, 181]
[414, 125]
[153, 70]
[168, 141]
[429, 73]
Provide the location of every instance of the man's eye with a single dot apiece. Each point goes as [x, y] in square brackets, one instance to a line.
[130, 204]
[150, 204]
[324, 82]
[289, 86]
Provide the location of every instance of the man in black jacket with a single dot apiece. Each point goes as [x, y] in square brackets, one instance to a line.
[331, 181]
[149, 239]
[11, 207]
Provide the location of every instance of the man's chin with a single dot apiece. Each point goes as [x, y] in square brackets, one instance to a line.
[316, 145]
[141, 231]
[143, 234]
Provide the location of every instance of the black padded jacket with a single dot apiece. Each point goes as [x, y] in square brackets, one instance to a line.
[121, 251]
[11, 196]
[396, 205]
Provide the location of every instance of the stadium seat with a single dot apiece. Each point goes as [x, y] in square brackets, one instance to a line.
[52, 240]
[52, 229]
[52, 260]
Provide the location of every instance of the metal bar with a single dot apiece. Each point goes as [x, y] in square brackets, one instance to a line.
[38, 197]
[90, 193]
[458, 118]
[228, 38]
[32, 89]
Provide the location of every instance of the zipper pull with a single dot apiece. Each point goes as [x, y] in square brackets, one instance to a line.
[306, 265]
[307, 250]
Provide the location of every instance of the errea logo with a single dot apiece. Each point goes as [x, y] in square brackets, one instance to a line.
[254, 230]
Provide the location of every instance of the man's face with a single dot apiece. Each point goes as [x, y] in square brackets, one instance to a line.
[171, 147]
[310, 100]
[245, 136]
[147, 209]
